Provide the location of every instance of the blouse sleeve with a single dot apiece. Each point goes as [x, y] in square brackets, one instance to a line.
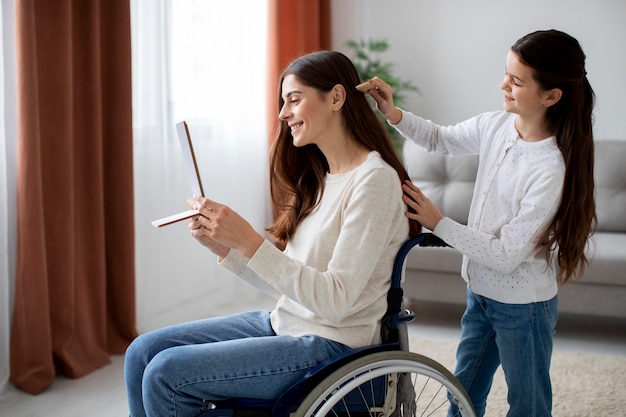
[236, 263]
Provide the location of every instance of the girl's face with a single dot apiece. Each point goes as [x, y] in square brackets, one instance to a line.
[306, 111]
[522, 94]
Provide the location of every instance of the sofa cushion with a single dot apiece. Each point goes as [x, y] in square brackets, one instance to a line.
[608, 263]
[605, 251]
[448, 182]
[610, 179]
[434, 273]
[435, 259]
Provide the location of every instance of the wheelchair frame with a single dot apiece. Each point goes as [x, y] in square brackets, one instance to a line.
[396, 382]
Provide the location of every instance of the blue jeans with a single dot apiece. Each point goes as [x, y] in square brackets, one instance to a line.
[173, 371]
[516, 336]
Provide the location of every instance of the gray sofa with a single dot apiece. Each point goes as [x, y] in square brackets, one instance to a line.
[433, 274]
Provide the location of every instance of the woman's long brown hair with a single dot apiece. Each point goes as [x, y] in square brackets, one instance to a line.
[558, 61]
[297, 173]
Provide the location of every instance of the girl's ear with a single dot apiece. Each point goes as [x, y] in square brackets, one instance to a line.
[551, 97]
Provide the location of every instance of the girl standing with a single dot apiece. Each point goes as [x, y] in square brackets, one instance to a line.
[532, 213]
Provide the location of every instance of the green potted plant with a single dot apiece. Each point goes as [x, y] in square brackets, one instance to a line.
[366, 56]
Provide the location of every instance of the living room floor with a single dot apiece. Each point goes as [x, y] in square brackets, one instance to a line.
[602, 336]
[102, 393]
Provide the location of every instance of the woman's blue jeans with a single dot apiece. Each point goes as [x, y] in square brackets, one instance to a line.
[173, 371]
[516, 336]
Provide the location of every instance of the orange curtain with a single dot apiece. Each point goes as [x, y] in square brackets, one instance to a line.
[74, 292]
[296, 27]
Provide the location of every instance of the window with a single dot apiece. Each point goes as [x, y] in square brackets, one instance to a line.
[203, 61]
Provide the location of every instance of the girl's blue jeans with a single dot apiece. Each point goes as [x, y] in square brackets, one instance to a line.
[173, 371]
[516, 336]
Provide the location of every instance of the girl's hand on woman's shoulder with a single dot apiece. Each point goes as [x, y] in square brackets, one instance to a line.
[426, 213]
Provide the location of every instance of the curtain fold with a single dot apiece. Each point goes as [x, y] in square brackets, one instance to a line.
[7, 183]
[74, 292]
[296, 27]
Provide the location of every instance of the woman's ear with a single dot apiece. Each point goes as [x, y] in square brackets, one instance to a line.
[552, 97]
[338, 96]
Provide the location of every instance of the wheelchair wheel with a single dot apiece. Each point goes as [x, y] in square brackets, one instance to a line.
[395, 383]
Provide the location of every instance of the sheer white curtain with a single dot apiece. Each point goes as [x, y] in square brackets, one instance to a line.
[202, 61]
[8, 139]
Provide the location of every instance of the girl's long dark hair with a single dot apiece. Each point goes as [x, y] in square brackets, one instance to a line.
[297, 173]
[559, 62]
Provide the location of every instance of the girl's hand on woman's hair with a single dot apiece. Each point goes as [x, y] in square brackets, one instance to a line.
[382, 93]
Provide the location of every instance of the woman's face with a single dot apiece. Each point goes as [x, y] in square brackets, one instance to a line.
[306, 111]
[522, 94]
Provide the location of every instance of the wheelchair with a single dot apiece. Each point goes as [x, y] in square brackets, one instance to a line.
[382, 380]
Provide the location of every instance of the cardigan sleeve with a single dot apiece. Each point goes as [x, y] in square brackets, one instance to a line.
[464, 138]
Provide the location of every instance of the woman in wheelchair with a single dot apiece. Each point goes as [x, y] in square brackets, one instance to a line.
[336, 190]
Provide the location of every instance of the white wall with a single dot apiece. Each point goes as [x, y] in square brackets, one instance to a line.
[454, 50]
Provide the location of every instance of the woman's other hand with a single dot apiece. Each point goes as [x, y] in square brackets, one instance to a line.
[220, 229]
[201, 235]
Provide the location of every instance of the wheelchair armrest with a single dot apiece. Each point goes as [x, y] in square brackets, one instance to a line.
[408, 316]
[432, 240]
